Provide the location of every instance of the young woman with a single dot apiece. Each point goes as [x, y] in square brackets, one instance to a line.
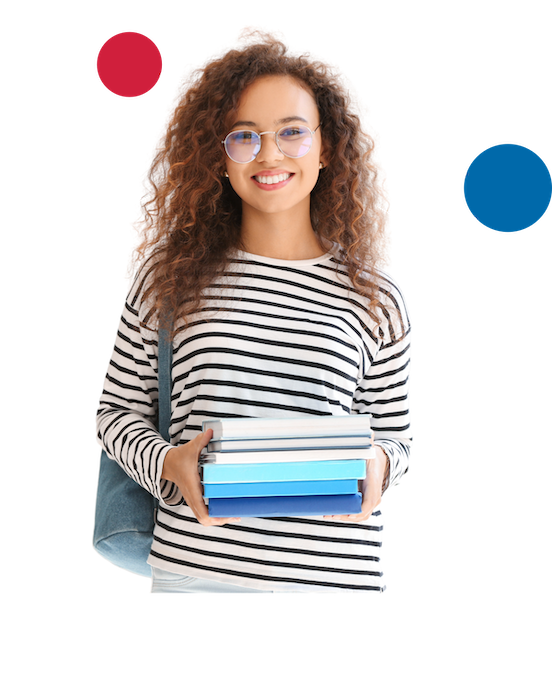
[263, 237]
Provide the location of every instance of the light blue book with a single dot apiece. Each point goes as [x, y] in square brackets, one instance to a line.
[283, 471]
[302, 505]
[268, 489]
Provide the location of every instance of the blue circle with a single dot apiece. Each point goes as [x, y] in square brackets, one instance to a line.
[507, 187]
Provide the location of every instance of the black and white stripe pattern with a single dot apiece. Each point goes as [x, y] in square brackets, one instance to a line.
[275, 338]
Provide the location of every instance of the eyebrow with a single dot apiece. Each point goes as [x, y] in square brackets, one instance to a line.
[282, 121]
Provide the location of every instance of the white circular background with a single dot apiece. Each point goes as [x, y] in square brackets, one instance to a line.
[434, 519]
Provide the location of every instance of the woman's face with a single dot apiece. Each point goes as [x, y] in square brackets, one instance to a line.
[268, 104]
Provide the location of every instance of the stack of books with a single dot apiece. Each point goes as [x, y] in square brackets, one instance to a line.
[305, 466]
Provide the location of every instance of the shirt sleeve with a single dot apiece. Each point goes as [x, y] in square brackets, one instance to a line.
[383, 390]
[129, 404]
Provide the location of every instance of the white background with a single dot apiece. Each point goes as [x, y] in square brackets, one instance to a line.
[434, 519]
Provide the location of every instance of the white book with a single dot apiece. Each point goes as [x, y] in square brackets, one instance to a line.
[301, 443]
[290, 455]
[288, 427]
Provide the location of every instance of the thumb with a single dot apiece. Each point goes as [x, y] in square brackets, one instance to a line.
[203, 439]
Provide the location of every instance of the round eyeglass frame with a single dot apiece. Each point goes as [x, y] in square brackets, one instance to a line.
[260, 134]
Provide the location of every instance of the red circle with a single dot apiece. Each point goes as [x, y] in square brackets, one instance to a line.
[129, 64]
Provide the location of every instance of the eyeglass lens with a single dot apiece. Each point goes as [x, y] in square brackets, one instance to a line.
[243, 145]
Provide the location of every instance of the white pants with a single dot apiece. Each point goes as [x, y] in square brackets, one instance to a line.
[166, 582]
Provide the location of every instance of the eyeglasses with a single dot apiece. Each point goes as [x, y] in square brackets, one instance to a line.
[294, 141]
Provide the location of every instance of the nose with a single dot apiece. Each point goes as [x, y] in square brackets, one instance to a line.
[269, 148]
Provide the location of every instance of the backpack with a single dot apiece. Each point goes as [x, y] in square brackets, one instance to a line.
[125, 512]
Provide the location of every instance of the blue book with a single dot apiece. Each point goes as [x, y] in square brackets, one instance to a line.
[301, 505]
[268, 489]
[284, 471]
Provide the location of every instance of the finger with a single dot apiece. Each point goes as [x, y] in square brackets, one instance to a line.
[202, 515]
[220, 521]
[355, 518]
[198, 507]
[209, 520]
[194, 490]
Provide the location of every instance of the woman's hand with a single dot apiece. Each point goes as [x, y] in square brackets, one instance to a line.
[376, 472]
[180, 467]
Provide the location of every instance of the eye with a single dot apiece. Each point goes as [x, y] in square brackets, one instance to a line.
[292, 132]
[243, 136]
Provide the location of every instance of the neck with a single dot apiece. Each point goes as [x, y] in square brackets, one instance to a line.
[279, 235]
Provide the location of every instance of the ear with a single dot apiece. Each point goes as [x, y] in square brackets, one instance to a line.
[324, 155]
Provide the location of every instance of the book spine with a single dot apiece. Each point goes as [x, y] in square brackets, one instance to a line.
[280, 488]
[295, 443]
[283, 471]
[247, 427]
[304, 505]
[289, 456]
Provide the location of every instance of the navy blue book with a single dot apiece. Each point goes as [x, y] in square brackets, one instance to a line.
[302, 505]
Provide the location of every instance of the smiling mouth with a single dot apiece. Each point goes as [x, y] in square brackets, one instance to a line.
[273, 178]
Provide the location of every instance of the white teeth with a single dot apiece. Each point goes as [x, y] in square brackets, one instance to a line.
[272, 179]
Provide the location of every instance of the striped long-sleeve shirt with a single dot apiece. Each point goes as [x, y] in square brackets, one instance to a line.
[274, 338]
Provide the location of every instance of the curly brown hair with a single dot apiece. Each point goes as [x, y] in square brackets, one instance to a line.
[193, 219]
